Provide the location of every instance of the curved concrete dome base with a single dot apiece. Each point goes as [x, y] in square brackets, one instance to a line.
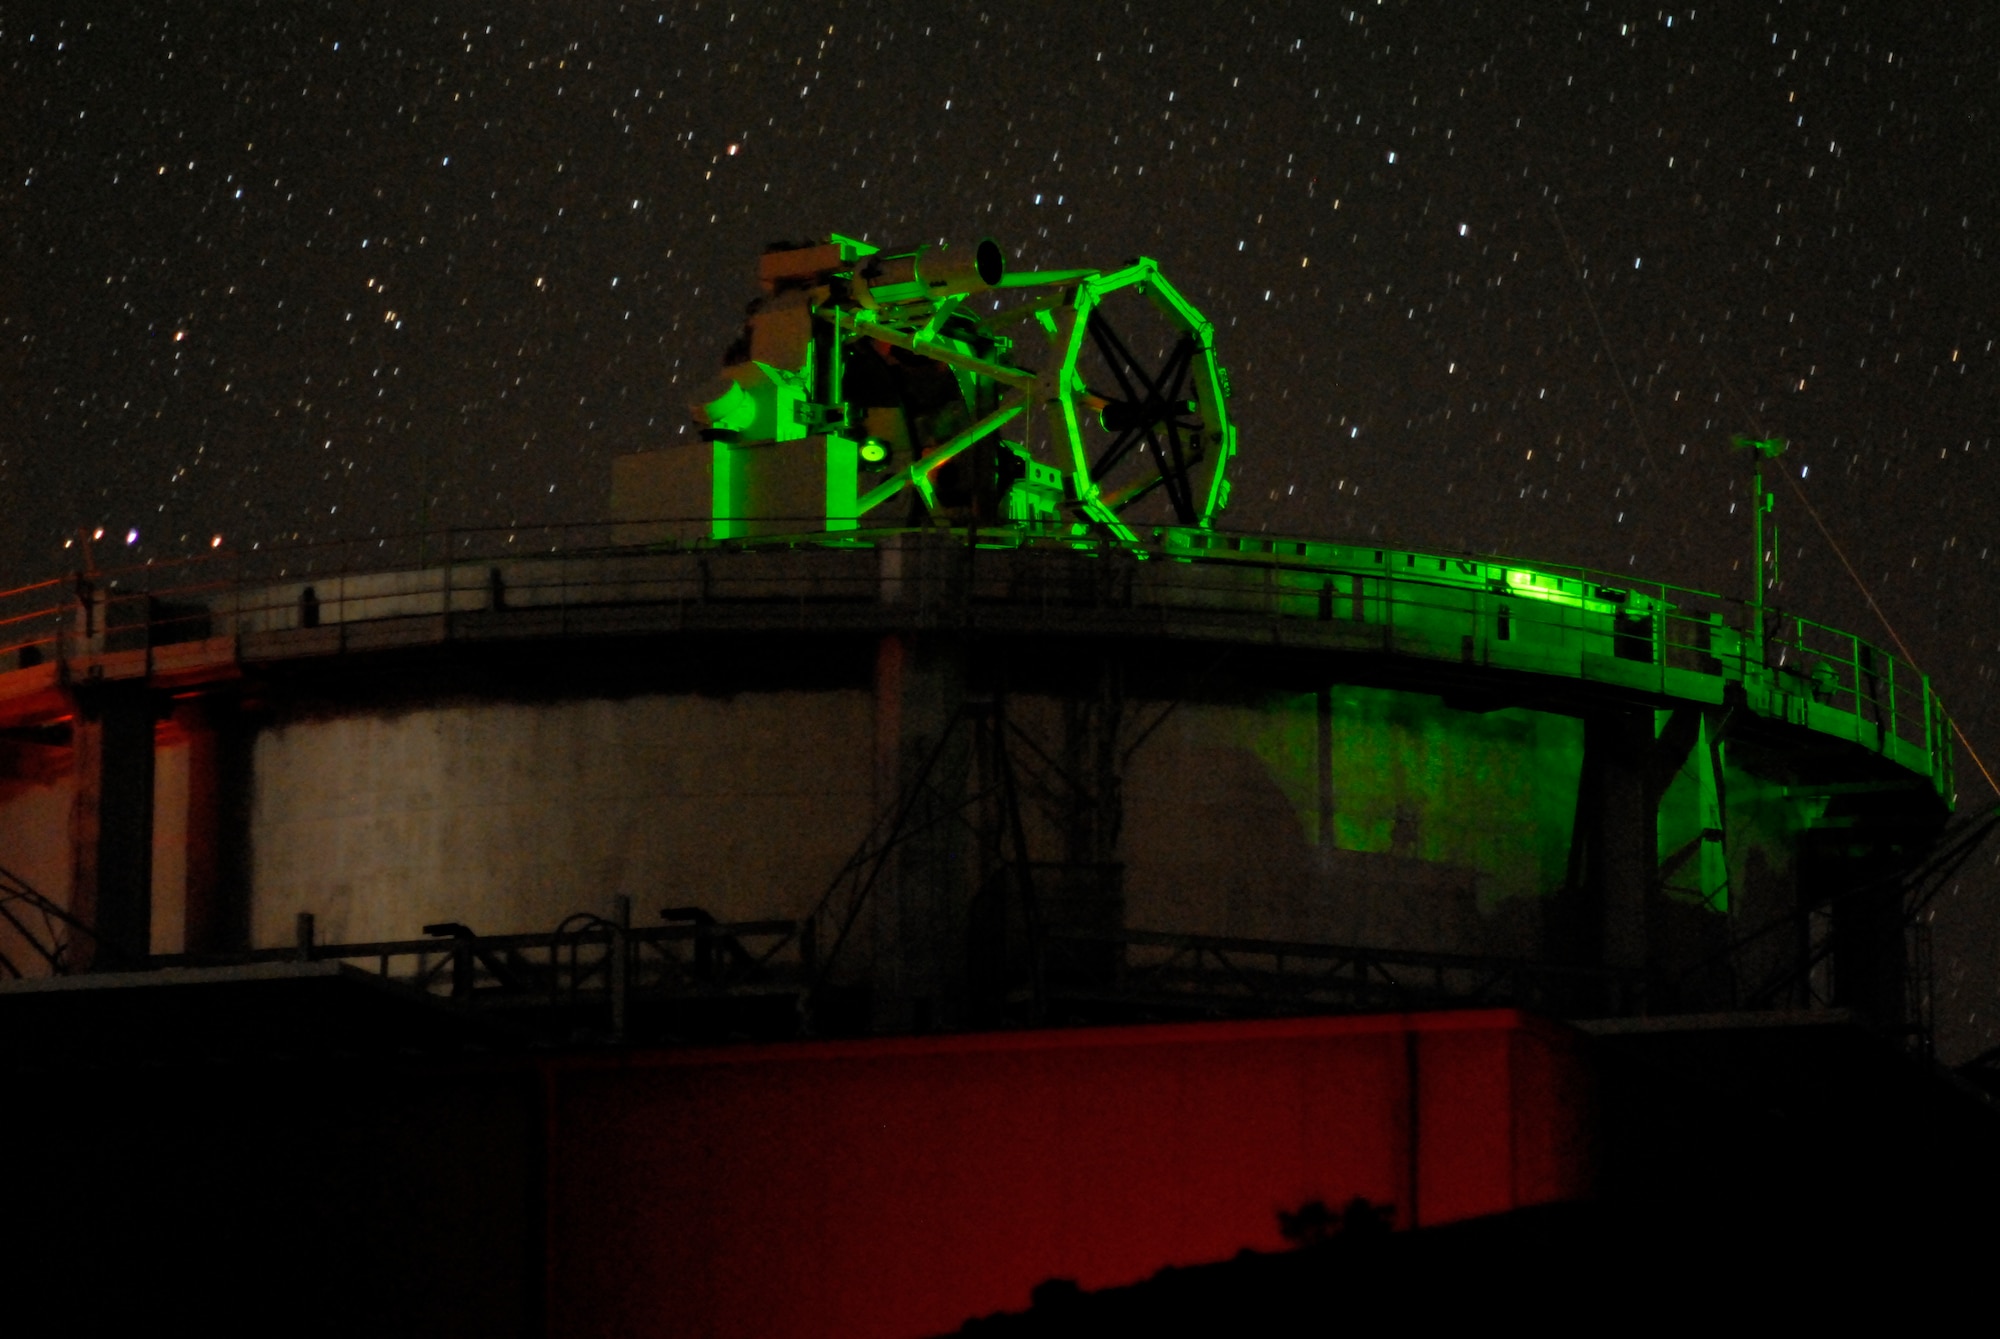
[509, 816]
[975, 772]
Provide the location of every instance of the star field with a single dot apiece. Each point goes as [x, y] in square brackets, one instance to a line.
[1502, 278]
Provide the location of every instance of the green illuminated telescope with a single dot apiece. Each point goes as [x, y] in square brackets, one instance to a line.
[931, 383]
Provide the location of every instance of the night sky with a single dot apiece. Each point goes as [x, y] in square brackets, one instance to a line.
[1502, 278]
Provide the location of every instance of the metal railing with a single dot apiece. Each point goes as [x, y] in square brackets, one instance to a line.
[602, 967]
[1491, 612]
[588, 961]
[1216, 973]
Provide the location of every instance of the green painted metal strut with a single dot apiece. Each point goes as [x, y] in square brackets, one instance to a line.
[906, 362]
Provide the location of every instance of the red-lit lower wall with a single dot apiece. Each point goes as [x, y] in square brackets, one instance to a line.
[898, 1187]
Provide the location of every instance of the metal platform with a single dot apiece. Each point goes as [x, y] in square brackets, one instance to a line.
[1512, 625]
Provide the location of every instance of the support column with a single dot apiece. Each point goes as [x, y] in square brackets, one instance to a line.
[1323, 756]
[111, 825]
[205, 922]
[1090, 895]
[1601, 917]
[1868, 954]
[1857, 891]
[920, 912]
[1689, 919]
[1628, 835]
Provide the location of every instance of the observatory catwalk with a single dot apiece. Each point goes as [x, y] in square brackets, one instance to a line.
[912, 851]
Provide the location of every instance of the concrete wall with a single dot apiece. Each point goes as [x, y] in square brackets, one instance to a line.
[35, 827]
[1358, 816]
[1443, 829]
[509, 817]
[34, 845]
[34, 833]
[170, 845]
[1392, 821]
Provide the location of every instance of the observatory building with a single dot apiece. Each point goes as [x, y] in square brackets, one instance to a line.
[921, 737]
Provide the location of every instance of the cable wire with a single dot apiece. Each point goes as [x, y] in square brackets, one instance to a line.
[1798, 491]
[1638, 424]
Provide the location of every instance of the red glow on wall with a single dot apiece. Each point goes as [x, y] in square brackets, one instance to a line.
[898, 1187]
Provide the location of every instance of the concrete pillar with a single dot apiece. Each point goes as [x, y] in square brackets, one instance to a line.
[1601, 916]
[921, 908]
[1859, 898]
[1323, 757]
[1628, 835]
[205, 924]
[1689, 923]
[1869, 954]
[111, 825]
[1089, 895]
[1324, 842]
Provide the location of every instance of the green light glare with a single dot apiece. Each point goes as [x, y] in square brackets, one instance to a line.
[1491, 791]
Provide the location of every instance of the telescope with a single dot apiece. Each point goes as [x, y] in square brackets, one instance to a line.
[929, 274]
[865, 386]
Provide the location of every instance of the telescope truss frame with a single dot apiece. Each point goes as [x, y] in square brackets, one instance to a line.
[1177, 416]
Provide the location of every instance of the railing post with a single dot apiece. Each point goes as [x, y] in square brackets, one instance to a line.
[1930, 729]
[621, 963]
[450, 573]
[305, 936]
[1388, 611]
[1854, 680]
[1943, 775]
[1660, 649]
[1895, 722]
[462, 964]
